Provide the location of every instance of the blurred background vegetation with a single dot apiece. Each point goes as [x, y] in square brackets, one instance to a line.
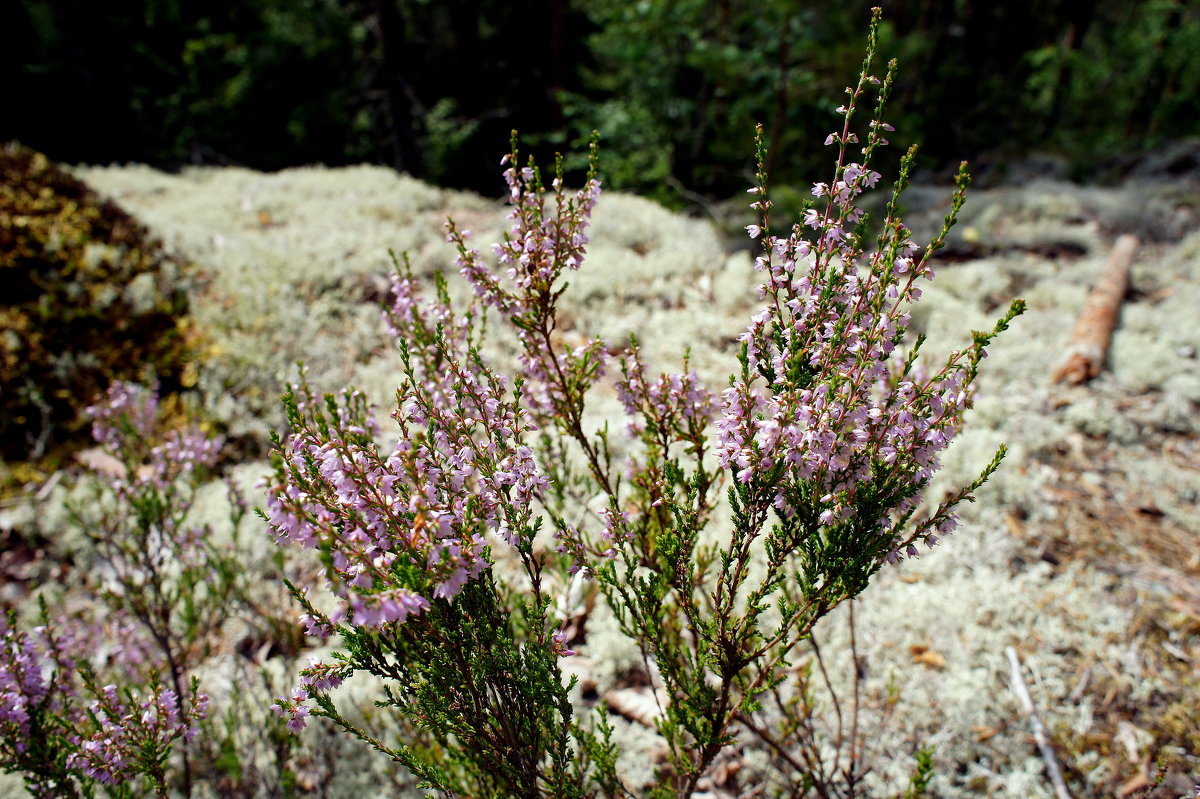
[433, 87]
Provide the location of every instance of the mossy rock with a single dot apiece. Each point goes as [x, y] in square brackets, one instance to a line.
[88, 297]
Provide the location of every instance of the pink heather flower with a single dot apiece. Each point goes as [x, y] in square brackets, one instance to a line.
[22, 682]
[449, 587]
[126, 409]
[570, 542]
[616, 525]
[294, 710]
[322, 677]
[316, 626]
[558, 645]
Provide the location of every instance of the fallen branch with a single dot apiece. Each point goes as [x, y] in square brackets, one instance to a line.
[1039, 731]
[638, 704]
[1093, 332]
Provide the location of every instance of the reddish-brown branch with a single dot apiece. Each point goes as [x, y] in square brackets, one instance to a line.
[1093, 332]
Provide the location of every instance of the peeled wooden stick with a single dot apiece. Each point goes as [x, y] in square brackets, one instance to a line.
[1094, 328]
[1039, 732]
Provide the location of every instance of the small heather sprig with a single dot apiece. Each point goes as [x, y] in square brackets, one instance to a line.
[537, 249]
[315, 678]
[25, 687]
[64, 733]
[127, 423]
[165, 572]
[39, 711]
[825, 417]
[400, 529]
[132, 735]
[461, 467]
[677, 407]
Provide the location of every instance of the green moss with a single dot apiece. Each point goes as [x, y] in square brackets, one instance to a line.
[89, 297]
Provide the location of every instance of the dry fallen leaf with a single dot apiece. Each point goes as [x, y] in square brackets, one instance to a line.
[101, 462]
[983, 733]
[925, 655]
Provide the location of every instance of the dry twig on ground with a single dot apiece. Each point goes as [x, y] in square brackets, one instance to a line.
[1039, 731]
[1093, 332]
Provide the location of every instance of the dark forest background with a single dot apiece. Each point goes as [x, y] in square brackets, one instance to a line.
[433, 87]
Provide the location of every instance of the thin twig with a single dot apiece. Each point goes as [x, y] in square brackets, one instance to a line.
[1039, 731]
[837, 706]
[852, 772]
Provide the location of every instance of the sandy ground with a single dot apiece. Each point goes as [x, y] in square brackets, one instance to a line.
[1082, 553]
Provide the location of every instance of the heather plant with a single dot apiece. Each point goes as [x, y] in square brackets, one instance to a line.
[446, 544]
[68, 733]
[164, 572]
[181, 585]
[110, 697]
